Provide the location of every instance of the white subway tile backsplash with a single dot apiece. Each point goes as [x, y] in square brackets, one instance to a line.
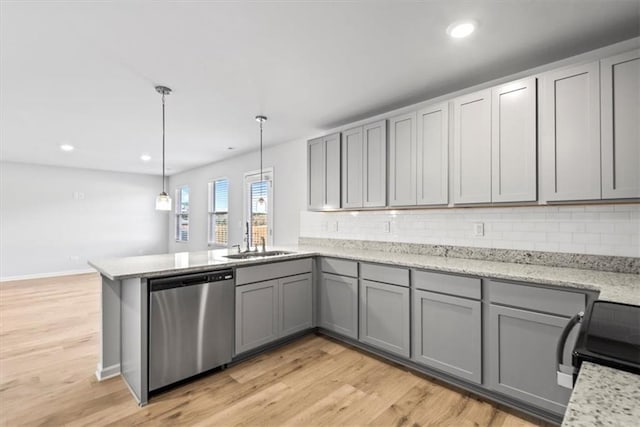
[597, 230]
[575, 226]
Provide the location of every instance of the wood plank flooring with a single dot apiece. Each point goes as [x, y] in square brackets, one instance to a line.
[49, 350]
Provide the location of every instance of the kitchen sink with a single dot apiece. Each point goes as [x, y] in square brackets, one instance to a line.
[248, 255]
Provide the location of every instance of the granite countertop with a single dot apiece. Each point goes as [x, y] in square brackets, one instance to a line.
[616, 287]
[603, 396]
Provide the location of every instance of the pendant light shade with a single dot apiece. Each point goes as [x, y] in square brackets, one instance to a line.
[261, 120]
[163, 201]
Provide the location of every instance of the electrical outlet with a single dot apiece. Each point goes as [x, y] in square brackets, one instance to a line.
[386, 227]
[478, 229]
[333, 226]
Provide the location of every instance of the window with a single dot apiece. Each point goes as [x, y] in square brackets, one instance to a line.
[219, 212]
[259, 206]
[182, 214]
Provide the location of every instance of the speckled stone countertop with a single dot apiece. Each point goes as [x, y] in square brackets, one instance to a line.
[603, 397]
[617, 287]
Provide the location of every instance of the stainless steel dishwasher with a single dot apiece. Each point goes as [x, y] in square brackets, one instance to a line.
[190, 325]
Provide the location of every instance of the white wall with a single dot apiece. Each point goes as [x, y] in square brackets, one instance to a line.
[289, 163]
[593, 229]
[53, 219]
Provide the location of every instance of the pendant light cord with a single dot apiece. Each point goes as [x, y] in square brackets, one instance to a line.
[163, 178]
[261, 151]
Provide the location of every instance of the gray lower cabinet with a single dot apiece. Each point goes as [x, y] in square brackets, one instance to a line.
[338, 300]
[256, 315]
[385, 316]
[295, 295]
[266, 311]
[447, 334]
[523, 359]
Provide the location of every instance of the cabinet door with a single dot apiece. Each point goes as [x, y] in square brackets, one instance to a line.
[472, 148]
[620, 86]
[513, 142]
[375, 164]
[433, 155]
[332, 171]
[256, 315]
[570, 141]
[385, 317]
[352, 168]
[523, 356]
[402, 160]
[447, 334]
[316, 174]
[338, 297]
[296, 304]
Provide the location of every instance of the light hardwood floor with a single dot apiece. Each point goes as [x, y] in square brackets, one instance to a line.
[48, 355]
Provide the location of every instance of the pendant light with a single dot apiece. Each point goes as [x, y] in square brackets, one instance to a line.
[261, 120]
[163, 201]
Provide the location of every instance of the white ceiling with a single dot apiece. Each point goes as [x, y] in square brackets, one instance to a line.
[84, 72]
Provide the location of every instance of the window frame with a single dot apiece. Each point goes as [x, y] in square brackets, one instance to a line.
[251, 177]
[178, 213]
[211, 212]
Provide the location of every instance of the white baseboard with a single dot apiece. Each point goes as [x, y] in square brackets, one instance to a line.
[45, 275]
[108, 372]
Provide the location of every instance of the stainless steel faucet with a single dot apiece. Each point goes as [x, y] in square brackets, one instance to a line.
[246, 237]
[264, 245]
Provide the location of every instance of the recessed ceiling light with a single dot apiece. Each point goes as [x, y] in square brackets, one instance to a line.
[229, 148]
[145, 157]
[461, 29]
[67, 147]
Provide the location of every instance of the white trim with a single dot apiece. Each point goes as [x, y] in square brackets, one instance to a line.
[108, 372]
[45, 275]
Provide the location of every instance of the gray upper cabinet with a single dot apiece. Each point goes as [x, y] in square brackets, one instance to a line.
[352, 171]
[364, 166]
[402, 160]
[620, 98]
[338, 301]
[385, 316]
[513, 142]
[323, 158]
[472, 148]
[570, 143]
[256, 315]
[433, 155]
[316, 166]
[295, 296]
[522, 352]
[447, 334]
[374, 163]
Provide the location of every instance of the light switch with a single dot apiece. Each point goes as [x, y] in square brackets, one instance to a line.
[386, 227]
[478, 229]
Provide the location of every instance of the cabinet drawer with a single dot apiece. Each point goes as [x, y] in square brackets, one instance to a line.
[468, 287]
[339, 266]
[274, 270]
[539, 299]
[385, 274]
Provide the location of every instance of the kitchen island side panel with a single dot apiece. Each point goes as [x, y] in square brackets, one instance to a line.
[109, 364]
[134, 337]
